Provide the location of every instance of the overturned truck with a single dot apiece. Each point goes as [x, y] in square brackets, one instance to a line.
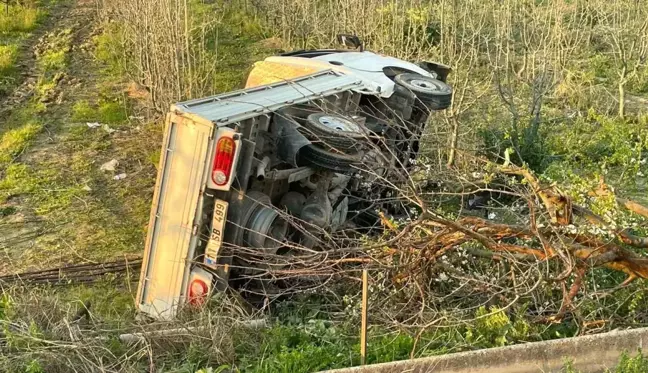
[294, 157]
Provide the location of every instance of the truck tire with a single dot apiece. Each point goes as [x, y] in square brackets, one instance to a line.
[335, 131]
[314, 156]
[435, 94]
[264, 228]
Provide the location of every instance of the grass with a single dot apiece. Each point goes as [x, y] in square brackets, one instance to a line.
[45, 86]
[17, 178]
[14, 141]
[43, 187]
[7, 211]
[109, 49]
[82, 111]
[24, 123]
[63, 183]
[53, 60]
[19, 18]
[108, 112]
[16, 22]
[627, 364]
[8, 54]
[238, 48]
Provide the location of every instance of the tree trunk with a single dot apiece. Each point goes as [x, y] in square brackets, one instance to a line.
[622, 83]
[454, 139]
[621, 100]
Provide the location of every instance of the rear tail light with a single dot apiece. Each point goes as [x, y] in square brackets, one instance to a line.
[198, 291]
[223, 160]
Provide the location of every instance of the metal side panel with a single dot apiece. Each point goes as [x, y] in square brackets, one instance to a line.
[247, 103]
[170, 241]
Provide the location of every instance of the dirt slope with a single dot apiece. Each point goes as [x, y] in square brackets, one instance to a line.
[56, 204]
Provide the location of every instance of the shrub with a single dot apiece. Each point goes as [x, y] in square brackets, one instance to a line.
[8, 55]
[627, 364]
[493, 328]
[109, 48]
[19, 19]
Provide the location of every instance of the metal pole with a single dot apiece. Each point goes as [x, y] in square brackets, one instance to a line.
[363, 328]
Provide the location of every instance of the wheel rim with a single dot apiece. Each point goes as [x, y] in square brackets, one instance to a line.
[338, 124]
[424, 85]
[266, 229]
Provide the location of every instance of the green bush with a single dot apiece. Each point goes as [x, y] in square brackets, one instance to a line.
[8, 54]
[109, 48]
[530, 147]
[19, 18]
[627, 364]
[493, 328]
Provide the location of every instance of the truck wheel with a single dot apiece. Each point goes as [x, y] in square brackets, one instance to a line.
[311, 155]
[335, 131]
[264, 228]
[435, 94]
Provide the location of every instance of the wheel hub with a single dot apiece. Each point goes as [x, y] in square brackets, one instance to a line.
[338, 124]
[423, 85]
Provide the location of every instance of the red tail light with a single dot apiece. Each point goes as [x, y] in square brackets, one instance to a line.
[198, 290]
[223, 160]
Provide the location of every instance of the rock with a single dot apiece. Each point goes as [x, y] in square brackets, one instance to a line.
[107, 128]
[59, 98]
[110, 165]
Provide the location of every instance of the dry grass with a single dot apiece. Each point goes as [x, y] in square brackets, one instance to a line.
[78, 328]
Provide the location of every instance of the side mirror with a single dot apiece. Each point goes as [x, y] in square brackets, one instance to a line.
[351, 41]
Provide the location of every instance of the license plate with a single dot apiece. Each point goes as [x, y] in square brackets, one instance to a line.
[216, 236]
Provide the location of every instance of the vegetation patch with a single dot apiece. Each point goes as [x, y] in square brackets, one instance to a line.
[19, 18]
[7, 211]
[15, 141]
[44, 188]
[109, 49]
[8, 54]
[109, 112]
[53, 60]
[545, 111]
[627, 364]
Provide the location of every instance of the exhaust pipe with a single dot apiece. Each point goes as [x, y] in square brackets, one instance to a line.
[261, 168]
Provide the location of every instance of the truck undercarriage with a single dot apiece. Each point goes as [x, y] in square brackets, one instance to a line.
[250, 177]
